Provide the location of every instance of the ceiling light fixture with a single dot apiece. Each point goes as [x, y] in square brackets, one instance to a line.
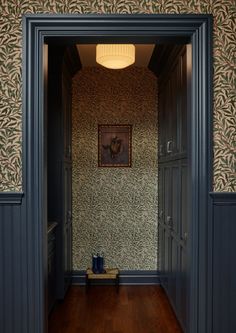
[115, 56]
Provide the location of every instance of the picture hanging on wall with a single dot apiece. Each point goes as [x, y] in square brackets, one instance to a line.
[114, 145]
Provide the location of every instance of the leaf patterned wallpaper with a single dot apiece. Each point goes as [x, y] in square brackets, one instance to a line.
[115, 209]
[224, 12]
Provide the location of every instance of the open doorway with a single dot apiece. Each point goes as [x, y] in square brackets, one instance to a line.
[130, 31]
[114, 208]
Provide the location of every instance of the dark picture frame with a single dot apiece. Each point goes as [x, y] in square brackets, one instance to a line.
[114, 145]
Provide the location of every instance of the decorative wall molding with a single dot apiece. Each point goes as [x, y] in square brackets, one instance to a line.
[223, 198]
[132, 277]
[11, 198]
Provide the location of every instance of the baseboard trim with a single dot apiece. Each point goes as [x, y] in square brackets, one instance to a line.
[134, 277]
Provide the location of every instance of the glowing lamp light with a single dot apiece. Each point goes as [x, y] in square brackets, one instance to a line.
[115, 56]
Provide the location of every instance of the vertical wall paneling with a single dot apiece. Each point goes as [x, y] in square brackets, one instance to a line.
[12, 284]
[224, 268]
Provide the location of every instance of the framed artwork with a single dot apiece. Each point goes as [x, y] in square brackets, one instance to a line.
[114, 145]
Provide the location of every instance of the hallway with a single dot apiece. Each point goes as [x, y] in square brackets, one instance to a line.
[136, 309]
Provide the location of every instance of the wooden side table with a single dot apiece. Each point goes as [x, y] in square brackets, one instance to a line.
[110, 274]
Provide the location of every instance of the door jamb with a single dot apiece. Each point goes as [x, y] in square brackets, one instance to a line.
[36, 29]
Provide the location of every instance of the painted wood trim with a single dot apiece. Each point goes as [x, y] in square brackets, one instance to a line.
[223, 198]
[37, 28]
[11, 198]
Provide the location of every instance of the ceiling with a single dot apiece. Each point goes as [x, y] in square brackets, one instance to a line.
[87, 54]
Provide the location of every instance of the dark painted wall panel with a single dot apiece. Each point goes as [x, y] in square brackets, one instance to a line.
[224, 266]
[13, 282]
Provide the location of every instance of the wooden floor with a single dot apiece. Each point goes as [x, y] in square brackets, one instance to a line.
[135, 309]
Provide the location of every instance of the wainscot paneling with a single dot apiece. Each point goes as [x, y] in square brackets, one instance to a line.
[13, 272]
[224, 268]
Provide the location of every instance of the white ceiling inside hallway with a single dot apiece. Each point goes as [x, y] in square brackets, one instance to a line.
[87, 54]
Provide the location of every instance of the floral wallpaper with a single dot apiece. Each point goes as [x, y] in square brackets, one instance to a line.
[224, 12]
[115, 209]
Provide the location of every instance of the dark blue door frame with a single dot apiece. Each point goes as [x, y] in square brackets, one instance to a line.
[130, 28]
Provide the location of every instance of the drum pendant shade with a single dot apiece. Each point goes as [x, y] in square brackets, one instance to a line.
[115, 56]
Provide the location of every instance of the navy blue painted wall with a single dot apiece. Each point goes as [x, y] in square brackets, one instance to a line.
[224, 263]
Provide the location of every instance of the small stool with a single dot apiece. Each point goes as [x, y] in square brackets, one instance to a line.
[109, 274]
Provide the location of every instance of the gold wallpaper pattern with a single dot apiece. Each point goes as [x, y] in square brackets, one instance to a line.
[224, 12]
[115, 209]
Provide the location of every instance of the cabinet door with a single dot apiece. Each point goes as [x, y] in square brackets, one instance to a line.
[166, 257]
[184, 201]
[66, 111]
[182, 287]
[51, 269]
[161, 122]
[161, 251]
[175, 197]
[173, 142]
[173, 269]
[67, 224]
[167, 195]
[183, 104]
[161, 207]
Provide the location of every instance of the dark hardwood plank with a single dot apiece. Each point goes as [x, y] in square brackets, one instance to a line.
[135, 309]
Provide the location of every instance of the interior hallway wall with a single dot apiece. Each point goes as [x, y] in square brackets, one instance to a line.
[115, 209]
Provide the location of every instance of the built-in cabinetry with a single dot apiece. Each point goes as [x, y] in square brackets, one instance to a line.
[173, 177]
[52, 232]
[62, 64]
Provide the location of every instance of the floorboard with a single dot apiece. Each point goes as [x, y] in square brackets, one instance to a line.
[135, 309]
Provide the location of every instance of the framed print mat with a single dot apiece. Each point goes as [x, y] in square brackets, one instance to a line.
[114, 145]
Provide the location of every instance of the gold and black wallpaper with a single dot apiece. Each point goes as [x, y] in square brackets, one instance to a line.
[115, 208]
[224, 42]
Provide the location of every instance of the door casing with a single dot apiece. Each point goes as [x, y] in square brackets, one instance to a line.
[37, 30]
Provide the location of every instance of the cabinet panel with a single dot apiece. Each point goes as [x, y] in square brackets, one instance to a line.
[161, 195]
[167, 195]
[161, 252]
[51, 267]
[173, 141]
[183, 103]
[66, 110]
[175, 197]
[172, 101]
[184, 201]
[166, 258]
[67, 224]
[161, 120]
[173, 184]
[63, 64]
[182, 286]
[173, 269]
